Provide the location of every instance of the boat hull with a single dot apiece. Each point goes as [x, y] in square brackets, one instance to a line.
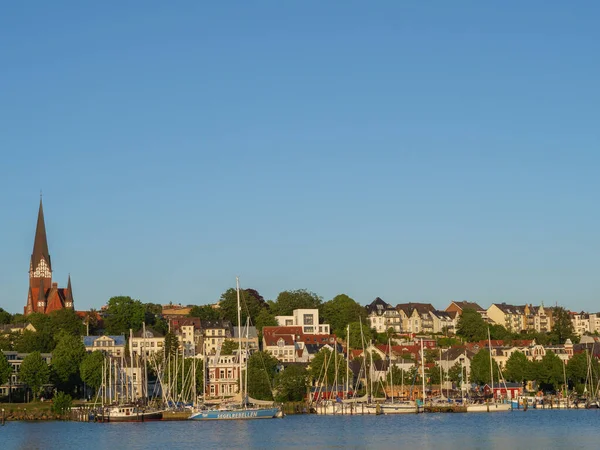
[241, 414]
[492, 407]
[135, 417]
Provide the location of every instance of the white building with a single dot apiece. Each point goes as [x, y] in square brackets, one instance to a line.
[109, 345]
[149, 342]
[308, 319]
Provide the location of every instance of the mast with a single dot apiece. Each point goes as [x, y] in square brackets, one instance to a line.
[491, 367]
[423, 372]
[347, 360]
[145, 387]
[203, 372]
[391, 368]
[441, 374]
[239, 320]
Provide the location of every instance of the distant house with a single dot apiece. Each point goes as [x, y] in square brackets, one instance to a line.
[109, 345]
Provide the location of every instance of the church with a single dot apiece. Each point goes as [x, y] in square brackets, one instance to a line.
[44, 295]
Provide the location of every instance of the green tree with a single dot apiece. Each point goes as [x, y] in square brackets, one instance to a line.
[500, 333]
[262, 369]
[66, 320]
[91, 321]
[264, 319]
[66, 359]
[562, 327]
[480, 368]
[340, 311]
[6, 342]
[205, 312]
[122, 314]
[5, 317]
[5, 369]
[90, 369]
[291, 384]
[471, 326]
[61, 403]
[517, 368]
[34, 341]
[251, 303]
[34, 372]
[550, 372]
[457, 374]
[288, 301]
[322, 368]
[18, 319]
[228, 347]
[356, 338]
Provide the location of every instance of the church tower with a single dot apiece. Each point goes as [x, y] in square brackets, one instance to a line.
[44, 296]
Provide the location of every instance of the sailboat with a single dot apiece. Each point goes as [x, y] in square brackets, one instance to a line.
[395, 406]
[118, 395]
[242, 410]
[492, 406]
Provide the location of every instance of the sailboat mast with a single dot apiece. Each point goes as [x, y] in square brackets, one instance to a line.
[390, 367]
[347, 359]
[441, 374]
[423, 371]
[239, 320]
[491, 367]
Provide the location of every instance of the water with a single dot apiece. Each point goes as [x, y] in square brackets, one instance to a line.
[532, 429]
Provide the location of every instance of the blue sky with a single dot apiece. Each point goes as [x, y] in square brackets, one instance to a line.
[416, 151]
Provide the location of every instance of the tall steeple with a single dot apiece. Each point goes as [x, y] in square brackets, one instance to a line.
[40, 242]
[69, 295]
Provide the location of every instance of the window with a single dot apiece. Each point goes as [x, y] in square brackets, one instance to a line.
[308, 319]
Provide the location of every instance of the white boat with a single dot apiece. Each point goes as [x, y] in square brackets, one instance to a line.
[130, 413]
[244, 410]
[397, 407]
[489, 407]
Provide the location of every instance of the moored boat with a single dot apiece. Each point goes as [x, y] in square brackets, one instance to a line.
[130, 413]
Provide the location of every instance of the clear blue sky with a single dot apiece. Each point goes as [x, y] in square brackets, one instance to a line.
[416, 151]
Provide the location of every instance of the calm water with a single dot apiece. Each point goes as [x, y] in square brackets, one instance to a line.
[517, 430]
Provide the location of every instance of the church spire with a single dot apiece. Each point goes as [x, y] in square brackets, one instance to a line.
[69, 294]
[40, 243]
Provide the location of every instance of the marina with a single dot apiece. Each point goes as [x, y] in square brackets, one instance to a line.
[548, 429]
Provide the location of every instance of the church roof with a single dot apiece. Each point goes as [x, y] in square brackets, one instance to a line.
[40, 242]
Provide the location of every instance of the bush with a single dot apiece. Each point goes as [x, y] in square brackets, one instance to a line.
[61, 404]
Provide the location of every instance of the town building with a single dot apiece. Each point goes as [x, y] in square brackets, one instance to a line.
[308, 319]
[416, 317]
[109, 345]
[44, 295]
[538, 318]
[223, 375]
[456, 309]
[510, 317]
[290, 344]
[146, 342]
[214, 333]
[585, 323]
[382, 316]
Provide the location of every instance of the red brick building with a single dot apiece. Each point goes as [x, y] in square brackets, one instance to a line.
[44, 295]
